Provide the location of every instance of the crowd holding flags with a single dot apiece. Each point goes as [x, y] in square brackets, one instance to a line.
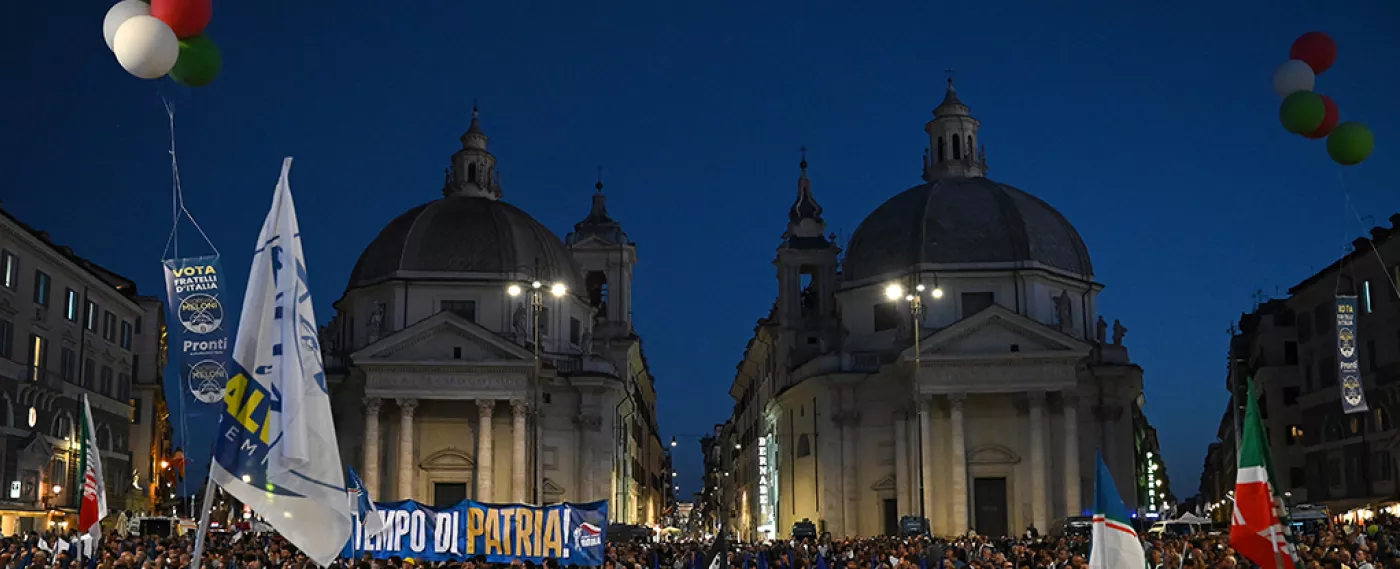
[1257, 528]
[1115, 541]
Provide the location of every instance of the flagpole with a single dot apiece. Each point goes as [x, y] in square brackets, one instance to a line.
[203, 519]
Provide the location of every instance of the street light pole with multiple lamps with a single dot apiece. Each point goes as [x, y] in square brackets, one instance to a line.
[536, 291]
[915, 298]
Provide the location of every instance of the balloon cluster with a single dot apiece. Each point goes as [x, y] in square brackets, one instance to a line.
[155, 38]
[1310, 114]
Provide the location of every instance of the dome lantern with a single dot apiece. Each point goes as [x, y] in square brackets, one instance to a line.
[953, 149]
[473, 172]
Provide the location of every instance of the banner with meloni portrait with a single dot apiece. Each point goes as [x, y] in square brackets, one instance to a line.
[574, 534]
[1348, 361]
[198, 347]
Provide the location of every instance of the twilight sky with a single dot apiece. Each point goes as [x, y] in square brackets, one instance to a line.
[1152, 126]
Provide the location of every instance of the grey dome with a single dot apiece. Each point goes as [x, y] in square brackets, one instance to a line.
[463, 234]
[963, 220]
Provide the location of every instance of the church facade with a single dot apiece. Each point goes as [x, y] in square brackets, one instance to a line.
[476, 355]
[951, 365]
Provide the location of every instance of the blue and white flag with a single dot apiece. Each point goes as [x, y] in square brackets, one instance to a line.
[1115, 542]
[276, 449]
[363, 504]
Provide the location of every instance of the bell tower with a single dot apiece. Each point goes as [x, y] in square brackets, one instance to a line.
[807, 279]
[606, 255]
[954, 149]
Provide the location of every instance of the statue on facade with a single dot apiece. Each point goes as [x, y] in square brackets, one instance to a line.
[1102, 329]
[1119, 330]
[585, 345]
[375, 326]
[517, 320]
[1064, 315]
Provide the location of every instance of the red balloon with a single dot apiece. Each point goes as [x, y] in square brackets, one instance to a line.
[187, 17]
[1314, 48]
[1329, 121]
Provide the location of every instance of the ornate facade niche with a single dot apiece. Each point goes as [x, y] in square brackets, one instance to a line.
[993, 454]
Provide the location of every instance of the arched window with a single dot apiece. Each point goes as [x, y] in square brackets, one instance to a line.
[62, 426]
[1354, 426]
[1333, 430]
[957, 147]
[597, 284]
[104, 438]
[940, 149]
[971, 150]
[471, 173]
[804, 446]
[7, 413]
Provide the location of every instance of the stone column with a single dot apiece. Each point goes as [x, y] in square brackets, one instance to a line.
[483, 450]
[936, 518]
[371, 457]
[959, 486]
[1038, 473]
[517, 465]
[406, 466]
[848, 473]
[1072, 458]
[902, 472]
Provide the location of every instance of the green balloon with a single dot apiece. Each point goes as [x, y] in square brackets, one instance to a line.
[1350, 143]
[199, 62]
[1300, 113]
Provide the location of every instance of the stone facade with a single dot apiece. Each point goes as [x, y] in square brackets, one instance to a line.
[973, 387]
[476, 355]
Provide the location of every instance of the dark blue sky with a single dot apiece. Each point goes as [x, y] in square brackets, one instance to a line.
[1153, 127]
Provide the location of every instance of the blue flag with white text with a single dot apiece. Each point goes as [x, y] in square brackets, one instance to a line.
[277, 449]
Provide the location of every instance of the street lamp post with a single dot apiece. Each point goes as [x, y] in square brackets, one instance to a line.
[535, 290]
[915, 298]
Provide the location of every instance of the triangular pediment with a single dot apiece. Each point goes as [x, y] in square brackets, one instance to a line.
[886, 484]
[550, 488]
[450, 458]
[997, 331]
[441, 338]
[39, 446]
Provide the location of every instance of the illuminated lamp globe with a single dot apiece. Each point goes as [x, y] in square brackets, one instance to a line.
[937, 292]
[558, 289]
[513, 290]
[894, 291]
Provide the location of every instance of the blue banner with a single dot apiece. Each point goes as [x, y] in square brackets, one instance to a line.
[199, 350]
[574, 534]
[1348, 361]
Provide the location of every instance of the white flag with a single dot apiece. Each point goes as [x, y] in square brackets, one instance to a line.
[276, 448]
[94, 498]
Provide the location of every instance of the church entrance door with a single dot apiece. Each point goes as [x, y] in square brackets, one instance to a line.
[891, 516]
[989, 507]
[447, 494]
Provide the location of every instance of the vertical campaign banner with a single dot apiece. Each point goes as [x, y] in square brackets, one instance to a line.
[197, 351]
[1348, 361]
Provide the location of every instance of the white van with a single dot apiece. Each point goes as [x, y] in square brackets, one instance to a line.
[1178, 528]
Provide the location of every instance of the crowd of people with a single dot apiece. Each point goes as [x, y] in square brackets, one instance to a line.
[1374, 546]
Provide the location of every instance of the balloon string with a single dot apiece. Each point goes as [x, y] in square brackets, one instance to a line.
[1360, 222]
[177, 206]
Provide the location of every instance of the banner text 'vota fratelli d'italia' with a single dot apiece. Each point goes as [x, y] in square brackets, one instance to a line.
[1348, 361]
[572, 533]
[199, 347]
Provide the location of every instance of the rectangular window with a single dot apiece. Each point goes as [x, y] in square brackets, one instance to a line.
[41, 288]
[38, 357]
[1384, 469]
[7, 339]
[138, 324]
[1290, 353]
[9, 270]
[91, 316]
[136, 366]
[1371, 355]
[136, 411]
[70, 305]
[109, 326]
[1290, 396]
[1323, 318]
[886, 316]
[123, 386]
[1327, 371]
[974, 302]
[575, 330]
[68, 364]
[464, 308]
[106, 387]
[126, 335]
[1304, 327]
[89, 371]
[1366, 295]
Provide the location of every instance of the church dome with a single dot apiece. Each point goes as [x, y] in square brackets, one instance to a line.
[466, 234]
[963, 220]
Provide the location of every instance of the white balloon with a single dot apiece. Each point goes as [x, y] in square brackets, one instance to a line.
[119, 14]
[146, 47]
[1293, 76]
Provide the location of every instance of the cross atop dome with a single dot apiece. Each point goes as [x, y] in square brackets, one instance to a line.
[953, 149]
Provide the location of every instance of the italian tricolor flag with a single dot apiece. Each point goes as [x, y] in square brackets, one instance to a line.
[94, 505]
[1257, 529]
